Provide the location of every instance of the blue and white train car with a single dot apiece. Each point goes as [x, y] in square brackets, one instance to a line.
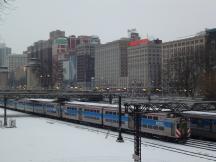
[52, 108]
[11, 103]
[39, 105]
[20, 104]
[1, 102]
[72, 111]
[203, 124]
[111, 116]
[83, 111]
[165, 124]
[29, 106]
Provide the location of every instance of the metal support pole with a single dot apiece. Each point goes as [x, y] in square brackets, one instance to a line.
[137, 136]
[120, 139]
[110, 99]
[5, 111]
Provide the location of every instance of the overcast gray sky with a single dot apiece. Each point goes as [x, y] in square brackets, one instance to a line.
[32, 20]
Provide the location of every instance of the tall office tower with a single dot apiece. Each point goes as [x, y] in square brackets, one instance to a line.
[85, 54]
[144, 64]
[59, 54]
[39, 58]
[17, 70]
[111, 64]
[4, 53]
[56, 34]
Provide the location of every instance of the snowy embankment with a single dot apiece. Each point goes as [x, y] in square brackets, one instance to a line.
[45, 140]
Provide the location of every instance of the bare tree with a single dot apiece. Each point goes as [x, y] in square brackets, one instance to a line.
[5, 6]
[183, 72]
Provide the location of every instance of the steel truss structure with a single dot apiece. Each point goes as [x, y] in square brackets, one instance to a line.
[137, 110]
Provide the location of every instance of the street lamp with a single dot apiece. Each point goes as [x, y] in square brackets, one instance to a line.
[41, 76]
[47, 79]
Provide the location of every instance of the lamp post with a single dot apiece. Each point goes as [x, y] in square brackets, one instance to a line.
[47, 80]
[120, 139]
[41, 76]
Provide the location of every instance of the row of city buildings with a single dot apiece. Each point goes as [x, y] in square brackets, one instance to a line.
[131, 63]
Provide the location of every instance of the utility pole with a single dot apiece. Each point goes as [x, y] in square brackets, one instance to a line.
[136, 111]
[110, 98]
[120, 139]
[137, 136]
[5, 111]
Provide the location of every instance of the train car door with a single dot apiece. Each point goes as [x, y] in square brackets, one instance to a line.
[60, 107]
[80, 114]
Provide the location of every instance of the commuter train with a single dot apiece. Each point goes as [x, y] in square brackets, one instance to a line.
[203, 124]
[165, 125]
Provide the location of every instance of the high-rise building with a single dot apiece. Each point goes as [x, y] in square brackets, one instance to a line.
[72, 42]
[4, 53]
[85, 53]
[59, 54]
[70, 71]
[41, 53]
[17, 60]
[185, 60]
[3, 77]
[144, 64]
[111, 69]
[17, 70]
[56, 34]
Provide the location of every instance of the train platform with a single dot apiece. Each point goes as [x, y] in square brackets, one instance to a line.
[37, 139]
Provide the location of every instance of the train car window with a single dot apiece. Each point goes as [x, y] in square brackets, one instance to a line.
[149, 117]
[155, 118]
[144, 116]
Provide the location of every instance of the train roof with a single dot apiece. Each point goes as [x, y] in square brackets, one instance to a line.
[41, 100]
[209, 114]
[93, 104]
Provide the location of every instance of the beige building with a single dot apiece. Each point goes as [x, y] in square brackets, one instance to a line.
[111, 64]
[3, 78]
[16, 61]
[144, 64]
[185, 60]
[34, 80]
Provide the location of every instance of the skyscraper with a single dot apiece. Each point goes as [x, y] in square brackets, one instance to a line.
[144, 64]
[111, 64]
[4, 53]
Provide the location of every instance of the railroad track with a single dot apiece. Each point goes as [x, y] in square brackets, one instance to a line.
[190, 143]
[206, 145]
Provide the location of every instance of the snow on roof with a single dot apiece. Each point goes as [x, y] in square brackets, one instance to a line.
[201, 113]
[41, 99]
[93, 104]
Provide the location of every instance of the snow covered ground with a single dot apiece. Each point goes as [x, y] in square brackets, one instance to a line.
[44, 140]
